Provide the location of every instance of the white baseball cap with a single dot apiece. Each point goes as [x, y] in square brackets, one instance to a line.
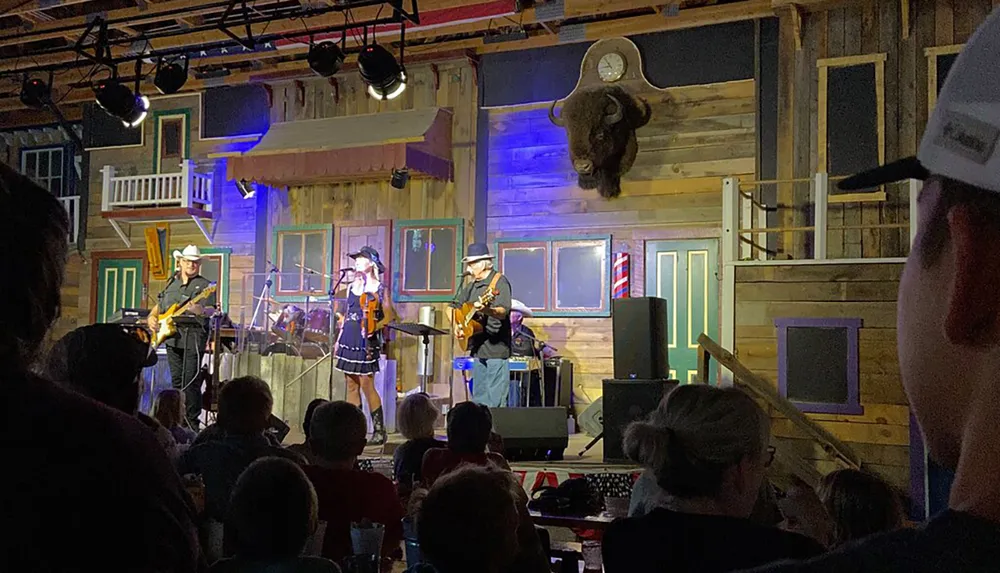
[961, 138]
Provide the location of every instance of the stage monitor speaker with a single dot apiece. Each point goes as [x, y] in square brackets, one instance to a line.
[591, 420]
[639, 326]
[626, 401]
[532, 433]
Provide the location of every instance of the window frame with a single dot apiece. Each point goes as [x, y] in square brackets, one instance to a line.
[300, 295]
[521, 244]
[223, 254]
[398, 234]
[158, 117]
[852, 407]
[68, 179]
[932, 54]
[386, 224]
[552, 276]
[822, 164]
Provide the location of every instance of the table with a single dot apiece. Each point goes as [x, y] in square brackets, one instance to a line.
[599, 522]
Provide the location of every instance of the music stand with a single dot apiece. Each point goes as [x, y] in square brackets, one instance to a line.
[424, 332]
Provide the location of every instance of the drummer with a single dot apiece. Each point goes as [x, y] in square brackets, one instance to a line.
[524, 343]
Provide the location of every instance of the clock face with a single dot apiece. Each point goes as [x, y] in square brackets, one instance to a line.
[611, 68]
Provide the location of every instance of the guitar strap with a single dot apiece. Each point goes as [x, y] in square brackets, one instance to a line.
[493, 283]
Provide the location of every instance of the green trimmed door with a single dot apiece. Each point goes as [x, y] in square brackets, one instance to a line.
[685, 274]
[119, 285]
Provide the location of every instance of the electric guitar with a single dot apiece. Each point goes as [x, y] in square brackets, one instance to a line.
[167, 327]
[466, 323]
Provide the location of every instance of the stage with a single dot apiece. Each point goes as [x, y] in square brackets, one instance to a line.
[610, 479]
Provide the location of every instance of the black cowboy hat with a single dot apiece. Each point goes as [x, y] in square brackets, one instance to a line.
[477, 252]
[371, 254]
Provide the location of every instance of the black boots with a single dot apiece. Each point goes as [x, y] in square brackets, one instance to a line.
[378, 436]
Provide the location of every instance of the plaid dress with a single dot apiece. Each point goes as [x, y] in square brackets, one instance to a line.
[356, 353]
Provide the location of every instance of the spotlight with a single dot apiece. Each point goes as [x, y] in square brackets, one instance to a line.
[170, 78]
[399, 178]
[386, 79]
[246, 188]
[35, 93]
[121, 102]
[325, 58]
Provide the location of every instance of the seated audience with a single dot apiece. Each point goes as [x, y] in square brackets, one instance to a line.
[86, 487]
[803, 512]
[168, 410]
[647, 495]
[244, 409]
[708, 449]
[105, 362]
[416, 418]
[272, 514]
[470, 426]
[861, 504]
[337, 437]
[469, 522]
[303, 448]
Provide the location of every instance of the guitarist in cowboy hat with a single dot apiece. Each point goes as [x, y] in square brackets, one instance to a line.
[490, 348]
[184, 351]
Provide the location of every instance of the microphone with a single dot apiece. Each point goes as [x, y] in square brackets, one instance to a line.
[346, 270]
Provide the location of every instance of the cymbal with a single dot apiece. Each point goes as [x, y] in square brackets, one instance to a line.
[268, 300]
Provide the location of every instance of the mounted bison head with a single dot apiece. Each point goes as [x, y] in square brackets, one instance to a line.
[601, 122]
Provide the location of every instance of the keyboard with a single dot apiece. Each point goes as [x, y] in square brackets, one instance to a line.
[516, 364]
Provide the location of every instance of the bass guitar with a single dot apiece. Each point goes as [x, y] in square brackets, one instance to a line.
[167, 328]
[466, 323]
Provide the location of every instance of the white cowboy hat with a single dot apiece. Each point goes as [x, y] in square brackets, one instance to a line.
[519, 306]
[190, 252]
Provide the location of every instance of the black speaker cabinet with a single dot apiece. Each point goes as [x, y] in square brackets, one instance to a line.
[532, 433]
[639, 326]
[558, 382]
[626, 401]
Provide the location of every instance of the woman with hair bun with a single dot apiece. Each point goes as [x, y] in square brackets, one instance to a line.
[708, 450]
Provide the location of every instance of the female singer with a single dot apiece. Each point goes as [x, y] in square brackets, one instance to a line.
[360, 341]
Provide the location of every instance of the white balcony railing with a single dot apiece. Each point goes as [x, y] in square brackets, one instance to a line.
[72, 206]
[183, 189]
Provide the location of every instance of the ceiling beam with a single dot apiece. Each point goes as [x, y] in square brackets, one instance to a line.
[813, 5]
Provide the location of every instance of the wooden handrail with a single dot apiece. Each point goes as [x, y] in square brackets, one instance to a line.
[764, 390]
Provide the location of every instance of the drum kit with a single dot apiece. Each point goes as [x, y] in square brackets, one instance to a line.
[297, 331]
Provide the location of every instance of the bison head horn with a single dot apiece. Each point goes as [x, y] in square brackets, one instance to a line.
[553, 117]
[617, 115]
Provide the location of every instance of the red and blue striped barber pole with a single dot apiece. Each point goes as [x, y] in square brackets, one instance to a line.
[619, 273]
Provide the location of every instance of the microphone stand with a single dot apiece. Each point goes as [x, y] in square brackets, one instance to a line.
[256, 311]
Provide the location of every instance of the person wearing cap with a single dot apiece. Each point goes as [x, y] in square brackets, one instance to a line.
[491, 347]
[948, 323]
[525, 344]
[104, 362]
[185, 350]
[359, 346]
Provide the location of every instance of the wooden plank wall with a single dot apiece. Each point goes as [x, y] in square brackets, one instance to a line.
[860, 28]
[233, 226]
[763, 294]
[698, 135]
[454, 87]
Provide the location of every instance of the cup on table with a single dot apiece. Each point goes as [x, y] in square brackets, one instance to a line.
[617, 506]
[366, 538]
[592, 559]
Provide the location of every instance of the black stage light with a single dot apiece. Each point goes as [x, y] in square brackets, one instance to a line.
[386, 79]
[399, 178]
[325, 58]
[246, 188]
[121, 102]
[35, 93]
[170, 78]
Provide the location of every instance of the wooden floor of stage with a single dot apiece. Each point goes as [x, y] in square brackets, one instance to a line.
[591, 461]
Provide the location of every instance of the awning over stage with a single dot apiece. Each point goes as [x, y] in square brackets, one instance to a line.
[350, 148]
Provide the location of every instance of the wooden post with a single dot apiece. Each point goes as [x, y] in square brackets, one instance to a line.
[108, 173]
[187, 183]
[704, 360]
[730, 219]
[915, 187]
[822, 188]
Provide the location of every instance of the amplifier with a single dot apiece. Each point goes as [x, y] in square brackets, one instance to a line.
[532, 433]
[129, 316]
